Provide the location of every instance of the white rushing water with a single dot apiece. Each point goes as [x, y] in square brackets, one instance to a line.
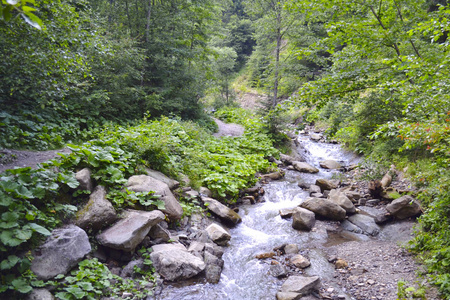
[245, 277]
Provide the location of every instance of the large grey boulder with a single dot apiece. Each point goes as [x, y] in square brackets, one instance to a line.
[129, 232]
[342, 200]
[404, 207]
[299, 285]
[226, 214]
[315, 136]
[324, 208]
[172, 183]
[61, 252]
[286, 159]
[327, 184]
[98, 212]
[144, 183]
[366, 223]
[314, 189]
[304, 167]
[330, 164]
[173, 261]
[303, 219]
[40, 294]
[84, 178]
[218, 234]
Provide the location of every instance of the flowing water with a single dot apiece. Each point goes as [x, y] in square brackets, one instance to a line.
[262, 229]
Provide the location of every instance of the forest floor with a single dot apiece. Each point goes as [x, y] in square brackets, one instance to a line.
[228, 129]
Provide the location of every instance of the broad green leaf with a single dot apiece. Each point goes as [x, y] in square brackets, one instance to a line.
[10, 262]
[32, 20]
[24, 193]
[38, 228]
[8, 238]
[8, 225]
[10, 216]
[21, 285]
[23, 234]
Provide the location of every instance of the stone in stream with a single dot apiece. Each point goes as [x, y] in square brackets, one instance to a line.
[326, 184]
[342, 200]
[286, 213]
[218, 234]
[265, 255]
[330, 164]
[129, 232]
[304, 167]
[315, 137]
[303, 219]
[273, 176]
[291, 249]
[98, 212]
[404, 207]
[324, 208]
[314, 189]
[299, 285]
[366, 223]
[144, 183]
[62, 251]
[173, 261]
[205, 191]
[214, 266]
[277, 270]
[224, 213]
[349, 226]
[300, 261]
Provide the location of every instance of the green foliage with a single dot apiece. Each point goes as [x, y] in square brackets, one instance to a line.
[404, 291]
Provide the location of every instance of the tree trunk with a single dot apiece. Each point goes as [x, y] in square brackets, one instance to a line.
[277, 60]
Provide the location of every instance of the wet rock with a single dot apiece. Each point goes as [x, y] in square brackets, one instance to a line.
[324, 208]
[144, 183]
[128, 270]
[353, 196]
[84, 178]
[339, 198]
[173, 261]
[326, 184]
[196, 247]
[249, 199]
[304, 185]
[273, 176]
[366, 223]
[330, 164]
[191, 194]
[126, 234]
[214, 266]
[286, 159]
[315, 137]
[265, 255]
[317, 195]
[303, 219]
[40, 294]
[218, 234]
[380, 215]
[214, 249]
[404, 207]
[304, 167]
[314, 189]
[291, 249]
[61, 252]
[226, 214]
[286, 212]
[171, 183]
[278, 270]
[300, 285]
[349, 226]
[98, 212]
[300, 261]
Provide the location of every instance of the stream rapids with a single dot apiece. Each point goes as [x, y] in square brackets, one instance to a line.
[246, 278]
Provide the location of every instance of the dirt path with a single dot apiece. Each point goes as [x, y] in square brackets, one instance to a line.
[10, 159]
[228, 129]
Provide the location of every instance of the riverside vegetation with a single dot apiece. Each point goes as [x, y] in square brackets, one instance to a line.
[91, 73]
